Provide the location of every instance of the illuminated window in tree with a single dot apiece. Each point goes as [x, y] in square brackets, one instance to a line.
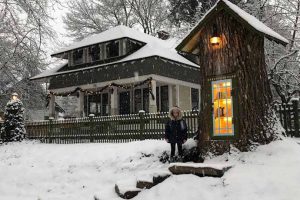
[222, 108]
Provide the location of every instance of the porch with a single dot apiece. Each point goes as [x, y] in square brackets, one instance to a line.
[152, 93]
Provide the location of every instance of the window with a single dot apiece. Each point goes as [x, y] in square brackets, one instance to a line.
[146, 99]
[133, 46]
[138, 104]
[97, 104]
[195, 98]
[141, 100]
[162, 98]
[124, 103]
[78, 57]
[105, 104]
[222, 108]
[94, 52]
[112, 49]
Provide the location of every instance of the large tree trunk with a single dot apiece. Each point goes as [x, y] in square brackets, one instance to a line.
[240, 57]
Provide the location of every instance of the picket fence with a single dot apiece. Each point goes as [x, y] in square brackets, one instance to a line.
[106, 129]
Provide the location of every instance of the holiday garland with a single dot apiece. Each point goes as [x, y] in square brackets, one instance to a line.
[111, 86]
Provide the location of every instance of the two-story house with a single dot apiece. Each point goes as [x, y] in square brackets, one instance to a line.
[122, 71]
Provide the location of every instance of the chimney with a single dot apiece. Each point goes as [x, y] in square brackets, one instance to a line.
[163, 35]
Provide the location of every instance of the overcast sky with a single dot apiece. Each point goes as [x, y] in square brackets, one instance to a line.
[59, 27]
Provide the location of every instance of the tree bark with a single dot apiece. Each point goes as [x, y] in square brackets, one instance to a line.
[239, 56]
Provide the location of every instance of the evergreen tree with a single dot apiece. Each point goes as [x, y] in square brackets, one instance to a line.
[13, 128]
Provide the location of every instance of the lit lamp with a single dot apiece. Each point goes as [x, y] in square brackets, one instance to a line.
[215, 39]
[14, 96]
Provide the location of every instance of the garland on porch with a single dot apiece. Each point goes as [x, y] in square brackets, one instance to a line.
[110, 86]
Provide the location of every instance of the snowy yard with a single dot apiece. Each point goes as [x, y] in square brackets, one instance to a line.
[32, 171]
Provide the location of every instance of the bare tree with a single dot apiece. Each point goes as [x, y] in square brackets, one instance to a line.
[284, 71]
[24, 28]
[89, 17]
[150, 14]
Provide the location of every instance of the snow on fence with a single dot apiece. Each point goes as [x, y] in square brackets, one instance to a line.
[117, 129]
[289, 117]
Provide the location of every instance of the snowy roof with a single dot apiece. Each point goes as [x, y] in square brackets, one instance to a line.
[153, 47]
[53, 68]
[246, 17]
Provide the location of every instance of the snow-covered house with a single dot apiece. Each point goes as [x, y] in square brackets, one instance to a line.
[122, 71]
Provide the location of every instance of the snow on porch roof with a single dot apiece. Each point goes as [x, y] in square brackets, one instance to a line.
[243, 15]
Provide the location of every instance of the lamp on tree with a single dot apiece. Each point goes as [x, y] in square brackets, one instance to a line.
[215, 39]
[14, 96]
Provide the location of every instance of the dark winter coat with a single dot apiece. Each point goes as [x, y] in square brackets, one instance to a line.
[176, 129]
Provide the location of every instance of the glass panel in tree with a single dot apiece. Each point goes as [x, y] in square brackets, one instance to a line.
[124, 103]
[137, 100]
[222, 108]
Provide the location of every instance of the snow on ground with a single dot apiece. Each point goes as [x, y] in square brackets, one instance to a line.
[32, 171]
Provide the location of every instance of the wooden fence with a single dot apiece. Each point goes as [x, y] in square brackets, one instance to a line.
[119, 128]
[125, 128]
[289, 117]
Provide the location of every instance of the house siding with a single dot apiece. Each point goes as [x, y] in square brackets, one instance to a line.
[147, 66]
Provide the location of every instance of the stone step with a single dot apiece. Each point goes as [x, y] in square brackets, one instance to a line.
[199, 169]
[131, 188]
[126, 189]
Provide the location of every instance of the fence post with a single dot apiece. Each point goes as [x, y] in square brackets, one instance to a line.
[50, 129]
[295, 102]
[142, 124]
[92, 127]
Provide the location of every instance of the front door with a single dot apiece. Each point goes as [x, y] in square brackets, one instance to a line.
[124, 103]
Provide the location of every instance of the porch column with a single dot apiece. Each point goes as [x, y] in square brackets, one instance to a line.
[114, 102]
[52, 105]
[177, 95]
[152, 102]
[80, 106]
[172, 99]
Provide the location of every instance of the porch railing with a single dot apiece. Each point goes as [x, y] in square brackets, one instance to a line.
[117, 129]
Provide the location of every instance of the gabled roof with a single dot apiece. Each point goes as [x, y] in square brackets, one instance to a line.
[153, 47]
[247, 19]
[114, 33]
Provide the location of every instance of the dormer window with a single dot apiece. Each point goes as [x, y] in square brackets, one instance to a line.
[78, 57]
[94, 52]
[133, 46]
[112, 49]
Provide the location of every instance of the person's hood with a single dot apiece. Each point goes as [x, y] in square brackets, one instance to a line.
[171, 113]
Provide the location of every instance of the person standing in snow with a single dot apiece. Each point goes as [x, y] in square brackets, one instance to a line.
[176, 132]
